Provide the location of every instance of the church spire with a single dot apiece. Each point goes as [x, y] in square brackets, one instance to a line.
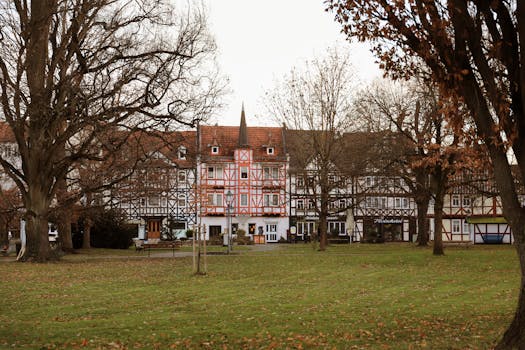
[243, 132]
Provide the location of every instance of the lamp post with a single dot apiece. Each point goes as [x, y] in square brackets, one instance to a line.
[229, 206]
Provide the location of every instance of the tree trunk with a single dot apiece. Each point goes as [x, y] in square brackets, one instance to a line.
[86, 238]
[4, 227]
[37, 246]
[422, 222]
[64, 229]
[514, 337]
[438, 212]
[323, 226]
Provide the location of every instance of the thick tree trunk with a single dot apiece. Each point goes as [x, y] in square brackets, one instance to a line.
[438, 231]
[422, 222]
[37, 246]
[514, 337]
[64, 229]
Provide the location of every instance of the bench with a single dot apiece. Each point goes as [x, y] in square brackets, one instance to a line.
[339, 240]
[173, 245]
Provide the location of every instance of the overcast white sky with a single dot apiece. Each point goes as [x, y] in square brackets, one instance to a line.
[260, 41]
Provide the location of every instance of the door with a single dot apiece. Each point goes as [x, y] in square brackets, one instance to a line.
[154, 229]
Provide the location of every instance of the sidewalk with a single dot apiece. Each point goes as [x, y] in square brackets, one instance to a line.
[152, 254]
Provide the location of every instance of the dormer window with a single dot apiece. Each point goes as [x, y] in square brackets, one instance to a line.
[215, 150]
[270, 150]
[182, 152]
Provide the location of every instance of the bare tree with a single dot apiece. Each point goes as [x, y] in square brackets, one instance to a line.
[72, 71]
[474, 50]
[418, 114]
[316, 102]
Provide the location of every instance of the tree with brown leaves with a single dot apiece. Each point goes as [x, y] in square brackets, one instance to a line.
[472, 49]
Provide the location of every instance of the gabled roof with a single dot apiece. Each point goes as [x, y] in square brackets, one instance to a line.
[230, 138]
[227, 139]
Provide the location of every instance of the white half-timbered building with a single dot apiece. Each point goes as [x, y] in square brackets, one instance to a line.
[159, 196]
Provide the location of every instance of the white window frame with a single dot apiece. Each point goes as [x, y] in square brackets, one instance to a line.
[455, 226]
[216, 200]
[244, 199]
[182, 176]
[154, 201]
[215, 150]
[182, 152]
[215, 172]
[270, 151]
[466, 202]
[455, 201]
[243, 172]
[300, 204]
[181, 201]
[271, 173]
[271, 200]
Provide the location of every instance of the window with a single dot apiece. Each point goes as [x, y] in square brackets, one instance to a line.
[342, 203]
[271, 200]
[182, 152]
[300, 204]
[143, 202]
[154, 201]
[305, 228]
[372, 202]
[163, 202]
[244, 172]
[467, 202]
[215, 150]
[271, 173]
[455, 200]
[271, 228]
[214, 172]
[369, 181]
[456, 226]
[336, 228]
[466, 227]
[244, 199]
[270, 150]
[181, 200]
[182, 176]
[215, 199]
[300, 181]
[311, 204]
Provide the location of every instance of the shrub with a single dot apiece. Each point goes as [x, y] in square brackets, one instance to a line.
[110, 231]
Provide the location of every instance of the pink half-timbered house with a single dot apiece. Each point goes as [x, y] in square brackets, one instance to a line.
[250, 165]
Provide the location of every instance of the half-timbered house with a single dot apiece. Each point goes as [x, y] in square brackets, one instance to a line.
[472, 211]
[159, 196]
[250, 165]
[306, 187]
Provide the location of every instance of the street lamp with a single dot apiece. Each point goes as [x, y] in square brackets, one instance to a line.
[229, 206]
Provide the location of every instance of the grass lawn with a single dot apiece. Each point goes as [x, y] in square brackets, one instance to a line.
[391, 296]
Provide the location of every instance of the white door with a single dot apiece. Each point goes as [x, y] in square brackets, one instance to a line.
[271, 232]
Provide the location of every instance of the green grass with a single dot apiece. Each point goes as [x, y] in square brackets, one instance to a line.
[392, 296]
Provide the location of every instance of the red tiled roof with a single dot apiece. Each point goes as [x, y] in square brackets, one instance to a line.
[227, 138]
